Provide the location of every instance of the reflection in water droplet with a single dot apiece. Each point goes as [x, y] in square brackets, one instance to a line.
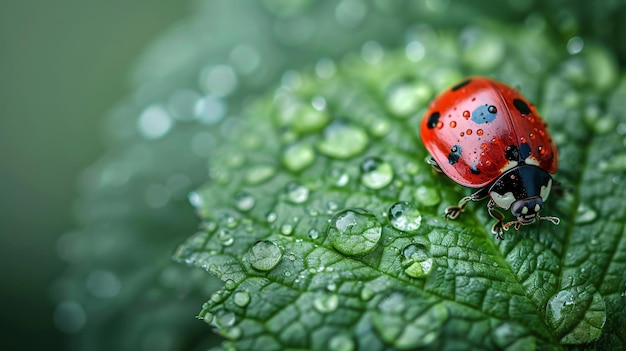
[264, 255]
[341, 342]
[354, 231]
[427, 196]
[342, 140]
[297, 193]
[241, 298]
[585, 214]
[405, 217]
[154, 122]
[326, 303]
[376, 173]
[417, 261]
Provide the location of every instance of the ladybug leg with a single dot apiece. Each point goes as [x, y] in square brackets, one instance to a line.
[497, 228]
[452, 212]
[431, 161]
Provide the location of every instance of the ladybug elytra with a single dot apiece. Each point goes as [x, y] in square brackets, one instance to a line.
[484, 134]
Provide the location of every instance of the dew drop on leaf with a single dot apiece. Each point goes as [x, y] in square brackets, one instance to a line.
[405, 217]
[585, 214]
[354, 231]
[297, 193]
[326, 303]
[286, 229]
[259, 174]
[244, 202]
[298, 156]
[337, 177]
[564, 311]
[264, 255]
[241, 298]
[224, 319]
[314, 233]
[417, 261]
[341, 140]
[376, 173]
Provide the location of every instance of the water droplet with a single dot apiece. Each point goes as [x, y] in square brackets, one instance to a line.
[575, 45]
[297, 193]
[408, 327]
[259, 174]
[233, 333]
[453, 124]
[332, 206]
[313, 233]
[224, 319]
[417, 261]
[208, 318]
[342, 140]
[103, 284]
[241, 298]
[405, 217]
[585, 214]
[325, 68]
[466, 114]
[354, 231]
[427, 196]
[337, 177]
[271, 217]
[264, 255]
[225, 238]
[219, 80]
[564, 314]
[154, 122]
[341, 342]
[286, 229]
[405, 99]
[376, 173]
[244, 201]
[372, 52]
[326, 303]
[318, 103]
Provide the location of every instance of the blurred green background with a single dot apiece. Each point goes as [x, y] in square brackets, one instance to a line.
[62, 65]
[65, 64]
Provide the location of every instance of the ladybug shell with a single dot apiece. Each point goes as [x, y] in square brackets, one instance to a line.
[480, 128]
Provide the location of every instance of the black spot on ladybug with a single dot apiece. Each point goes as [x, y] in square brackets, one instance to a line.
[455, 154]
[512, 153]
[521, 106]
[524, 150]
[484, 114]
[461, 85]
[474, 169]
[433, 119]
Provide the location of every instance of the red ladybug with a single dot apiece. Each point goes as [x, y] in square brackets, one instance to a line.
[484, 134]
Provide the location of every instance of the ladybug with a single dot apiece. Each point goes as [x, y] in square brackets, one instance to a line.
[485, 135]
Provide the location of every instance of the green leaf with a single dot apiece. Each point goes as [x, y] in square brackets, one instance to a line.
[325, 223]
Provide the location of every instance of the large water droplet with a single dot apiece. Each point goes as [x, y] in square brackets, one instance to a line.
[326, 302]
[341, 140]
[417, 261]
[585, 214]
[264, 255]
[297, 193]
[405, 217]
[241, 298]
[427, 196]
[564, 314]
[224, 319]
[244, 201]
[376, 173]
[341, 342]
[407, 326]
[298, 156]
[354, 231]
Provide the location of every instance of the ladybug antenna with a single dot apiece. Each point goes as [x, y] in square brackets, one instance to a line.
[554, 220]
